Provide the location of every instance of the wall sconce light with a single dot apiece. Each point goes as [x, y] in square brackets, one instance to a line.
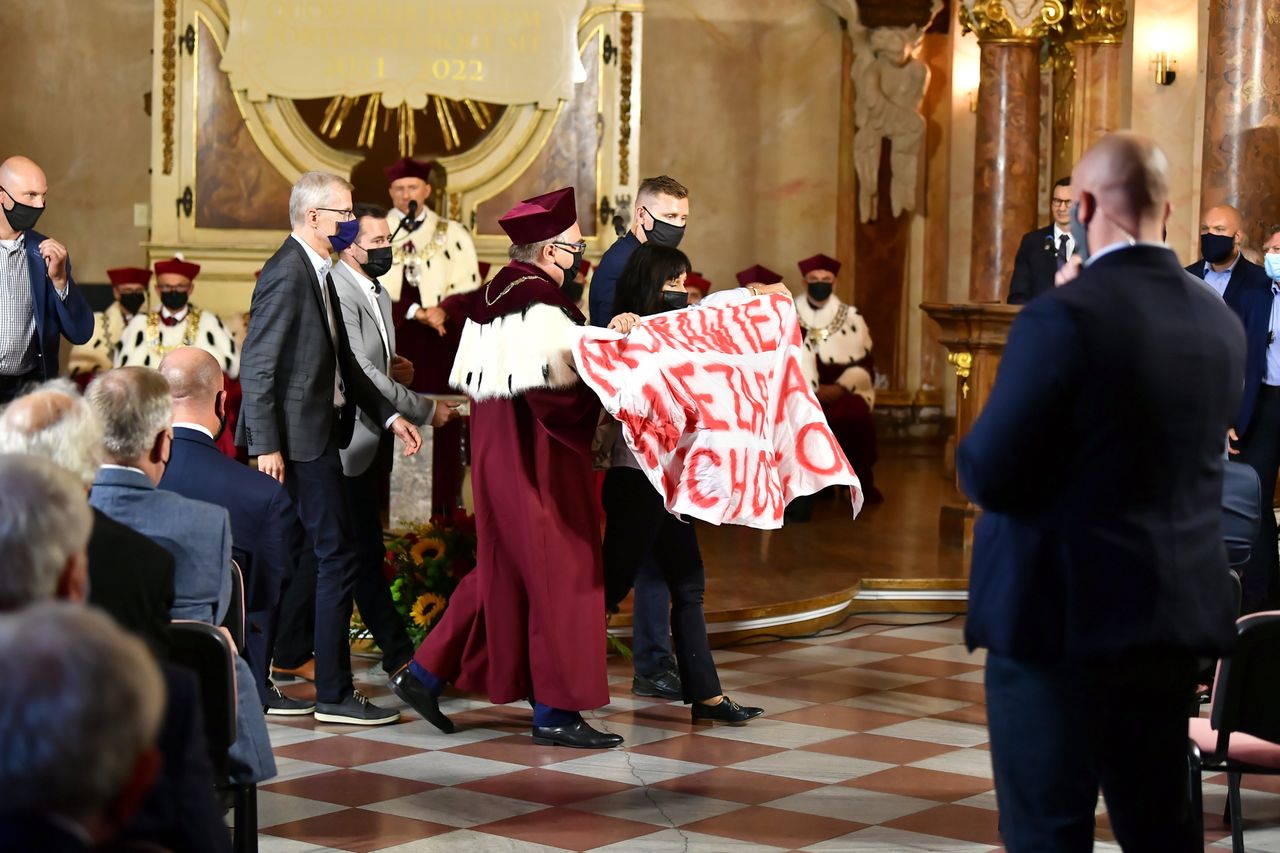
[1164, 68]
[973, 100]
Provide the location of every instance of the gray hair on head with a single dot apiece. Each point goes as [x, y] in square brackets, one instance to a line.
[54, 422]
[45, 520]
[527, 253]
[135, 407]
[88, 700]
[311, 191]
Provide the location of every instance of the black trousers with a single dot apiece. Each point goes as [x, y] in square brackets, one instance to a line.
[319, 489]
[1060, 731]
[372, 594]
[640, 528]
[1260, 450]
[293, 639]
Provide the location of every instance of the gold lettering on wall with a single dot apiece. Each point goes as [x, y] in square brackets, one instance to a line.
[499, 51]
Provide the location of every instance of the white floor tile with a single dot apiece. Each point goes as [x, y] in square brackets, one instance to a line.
[969, 762]
[275, 844]
[293, 768]
[456, 807]
[856, 804]
[657, 806]
[956, 654]
[275, 809]
[467, 841]
[630, 768]
[833, 656]
[909, 704]
[812, 766]
[286, 735]
[936, 731]
[776, 732]
[873, 678]
[881, 839]
[929, 633]
[677, 841]
[442, 768]
[420, 734]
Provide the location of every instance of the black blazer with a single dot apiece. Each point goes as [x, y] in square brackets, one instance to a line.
[1249, 295]
[131, 578]
[263, 517]
[288, 361]
[1034, 266]
[1098, 461]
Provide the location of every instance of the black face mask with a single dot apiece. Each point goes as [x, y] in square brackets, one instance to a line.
[1216, 248]
[132, 302]
[379, 262]
[21, 217]
[663, 233]
[174, 300]
[819, 291]
[571, 271]
[674, 300]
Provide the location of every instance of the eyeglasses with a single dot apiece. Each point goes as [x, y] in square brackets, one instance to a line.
[1060, 202]
[343, 214]
[580, 246]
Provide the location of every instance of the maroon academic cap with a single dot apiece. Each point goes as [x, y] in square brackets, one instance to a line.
[178, 266]
[541, 217]
[758, 275]
[129, 275]
[698, 282]
[407, 167]
[819, 262]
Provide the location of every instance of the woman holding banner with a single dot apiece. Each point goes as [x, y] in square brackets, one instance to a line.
[639, 527]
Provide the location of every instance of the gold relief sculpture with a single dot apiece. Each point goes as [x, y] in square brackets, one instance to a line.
[1099, 21]
[1063, 61]
[624, 108]
[1012, 21]
[963, 363]
[169, 53]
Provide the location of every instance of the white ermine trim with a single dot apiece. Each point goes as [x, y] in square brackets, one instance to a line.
[516, 353]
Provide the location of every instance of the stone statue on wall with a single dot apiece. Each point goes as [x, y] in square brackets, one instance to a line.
[889, 83]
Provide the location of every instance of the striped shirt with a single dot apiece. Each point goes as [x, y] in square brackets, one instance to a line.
[18, 344]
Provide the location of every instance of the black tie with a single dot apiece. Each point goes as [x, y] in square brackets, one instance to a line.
[1062, 251]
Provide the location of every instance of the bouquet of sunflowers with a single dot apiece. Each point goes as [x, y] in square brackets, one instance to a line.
[424, 564]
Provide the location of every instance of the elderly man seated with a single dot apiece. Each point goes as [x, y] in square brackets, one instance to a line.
[137, 416]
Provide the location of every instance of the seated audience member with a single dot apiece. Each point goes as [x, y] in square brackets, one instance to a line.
[264, 523]
[136, 412]
[45, 504]
[130, 576]
[78, 769]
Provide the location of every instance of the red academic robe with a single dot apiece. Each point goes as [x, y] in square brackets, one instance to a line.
[854, 427]
[529, 619]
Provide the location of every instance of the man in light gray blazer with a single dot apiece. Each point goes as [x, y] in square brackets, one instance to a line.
[136, 411]
[366, 460]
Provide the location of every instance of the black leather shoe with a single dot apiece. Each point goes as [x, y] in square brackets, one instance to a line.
[663, 685]
[578, 735]
[413, 693]
[727, 711]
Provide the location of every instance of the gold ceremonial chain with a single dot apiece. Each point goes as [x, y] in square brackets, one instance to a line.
[411, 258]
[820, 335]
[506, 289]
[188, 337]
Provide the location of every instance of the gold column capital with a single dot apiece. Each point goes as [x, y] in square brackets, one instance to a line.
[1099, 21]
[1012, 21]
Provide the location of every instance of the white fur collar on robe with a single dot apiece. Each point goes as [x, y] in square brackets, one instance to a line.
[516, 353]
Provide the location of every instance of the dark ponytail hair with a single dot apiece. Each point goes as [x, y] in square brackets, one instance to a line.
[639, 289]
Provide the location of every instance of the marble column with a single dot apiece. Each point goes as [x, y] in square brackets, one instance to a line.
[1098, 27]
[1007, 144]
[1242, 98]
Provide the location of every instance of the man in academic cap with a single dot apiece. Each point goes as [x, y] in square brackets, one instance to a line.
[757, 275]
[150, 336]
[527, 621]
[434, 265]
[840, 366]
[697, 287]
[129, 287]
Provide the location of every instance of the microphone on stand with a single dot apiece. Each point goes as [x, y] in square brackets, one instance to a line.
[408, 217]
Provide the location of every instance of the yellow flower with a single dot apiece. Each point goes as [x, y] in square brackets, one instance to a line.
[427, 609]
[422, 546]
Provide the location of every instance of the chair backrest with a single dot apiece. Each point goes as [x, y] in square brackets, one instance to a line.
[234, 621]
[1247, 696]
[204, 650]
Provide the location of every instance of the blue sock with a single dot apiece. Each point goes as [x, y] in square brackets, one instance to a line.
[429, 681]
[545, 715]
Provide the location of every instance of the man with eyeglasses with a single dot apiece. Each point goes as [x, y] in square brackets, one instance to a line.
[301, 387]
[1044, 251]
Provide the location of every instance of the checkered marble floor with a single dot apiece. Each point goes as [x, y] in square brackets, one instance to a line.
[874, 740]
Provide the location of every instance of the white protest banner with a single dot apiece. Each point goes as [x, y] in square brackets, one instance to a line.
[714, 403]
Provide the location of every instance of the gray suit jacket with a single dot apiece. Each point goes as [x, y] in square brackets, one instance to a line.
[198, 534]
[372, 356]
[288, 362]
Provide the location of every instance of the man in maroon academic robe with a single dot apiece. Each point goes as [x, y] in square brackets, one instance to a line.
[432, 279]
[528, 621]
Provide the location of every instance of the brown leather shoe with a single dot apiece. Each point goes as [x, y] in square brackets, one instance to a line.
[307, 672]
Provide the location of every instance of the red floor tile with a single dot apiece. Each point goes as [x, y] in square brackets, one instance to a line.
[973, 714]
[737, 786]
[346, 751]
[947, 688]
[810, 689]
[780, 828]
[358, 830]
[922, 666]
[779, 666]
[515, 749]
[891, 645]
[675, 717]
[706, 750]
[567, 828]
[349, 787]
[952, 821]
[926, 784]
[841, 717]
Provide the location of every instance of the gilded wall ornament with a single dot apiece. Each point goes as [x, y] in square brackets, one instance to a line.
[1099, 21]
[1012, 21]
